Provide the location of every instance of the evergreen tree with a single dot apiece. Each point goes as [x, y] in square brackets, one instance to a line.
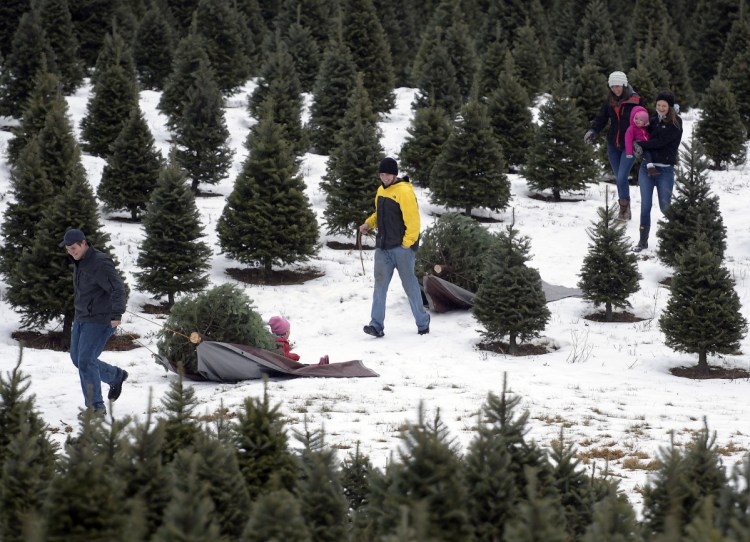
[10, 15]
[430, 128]
[613, 519]
[586, 84]
[355, 472]
[30, 51]
[735, 502]
[738, 40]
[276, 516]
[172, 258]
[188, 57]
[349, 182]
[280, 93]
[368, 43]
[256, 27]
[469, 172]
[509, 109]
[702, 526]
[333, 87]
[262, 447]
[538, 519]
[267, 217]
[319, 490]
[32, 191]
[692, 210]
[491, 64]
[218, 21]
[737, 74]
[436, 80]
[566, 15]
[115, 51]
[190, 514]
[510, 301]
[595, 40]
[429, 476]
[559, 159]
[92, 20]
[132, 168]
[703, 314]
[115, 95]
[179, 425]
[181, 14]
[58, 29]
[720, 130]
[313, 14]
[675, 65]
[403, 22]
[609, 274]
[153, 49]
[46, 90]
[202, 136]
[305, 53]
[531, 67]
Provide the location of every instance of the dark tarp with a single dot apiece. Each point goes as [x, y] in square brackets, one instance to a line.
[225, 362]
[444, 296]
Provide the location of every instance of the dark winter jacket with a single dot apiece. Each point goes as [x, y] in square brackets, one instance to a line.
[664, 143]
[618, 116]
[99, 291]
[396, 216]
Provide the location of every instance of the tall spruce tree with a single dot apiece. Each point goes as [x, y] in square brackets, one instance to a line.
[720, 131]
[262, 446]
[693, 209]
[172, 257]
[10, 15]
[115, 51]
[469, 172]
[531, 67]
[114, 96]
[268, 217]
[202, 137]
[595, 40]
[335, 82]
[92, 20]
[737, 75]
[132, 168]
[58, 28]
[188, 56]
[509, 110]
[430, 128]
[218, 21]
[276, 515]
[491, 63]
[279, 89]
[559, 160]
[609, 274]
[510, 301]
[29, 52]
[436, 80]
[368, 42]
[349, 182]
[153, 49]
[305, 53]
[703, 314]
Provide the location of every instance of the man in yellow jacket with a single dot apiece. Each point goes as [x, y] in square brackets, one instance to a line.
[396, 218]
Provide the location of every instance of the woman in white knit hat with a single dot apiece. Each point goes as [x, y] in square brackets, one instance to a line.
[615, 110]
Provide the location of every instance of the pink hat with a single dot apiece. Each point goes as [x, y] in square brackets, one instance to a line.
[279, 326]
[642, 116]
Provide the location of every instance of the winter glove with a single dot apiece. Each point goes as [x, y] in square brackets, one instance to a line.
[588, 138]
[637, 149]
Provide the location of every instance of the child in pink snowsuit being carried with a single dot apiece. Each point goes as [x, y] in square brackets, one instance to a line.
[281, 329]
[638, 131]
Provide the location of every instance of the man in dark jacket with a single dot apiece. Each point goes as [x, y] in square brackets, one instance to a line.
[100, 300]
[396, 217]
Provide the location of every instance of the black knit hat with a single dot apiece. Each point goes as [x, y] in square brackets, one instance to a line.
[388, 165]
[667, 96]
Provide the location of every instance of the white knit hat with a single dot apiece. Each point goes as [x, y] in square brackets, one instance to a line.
[618, 78]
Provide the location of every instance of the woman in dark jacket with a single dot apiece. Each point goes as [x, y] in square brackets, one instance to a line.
[616, 109]
[664, 144]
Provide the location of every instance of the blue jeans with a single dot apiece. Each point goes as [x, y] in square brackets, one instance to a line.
[621, 166]
[663, 182]
[402, 259]
[86, 344]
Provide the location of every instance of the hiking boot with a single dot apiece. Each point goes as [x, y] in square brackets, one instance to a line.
[116, 389]
[652, 171]
[643, 241]
[624, 213]
[370, 330]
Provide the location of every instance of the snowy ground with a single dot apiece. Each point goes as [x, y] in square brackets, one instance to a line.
[608, 385]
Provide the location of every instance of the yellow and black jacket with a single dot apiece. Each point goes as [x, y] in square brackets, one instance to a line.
[396, 216]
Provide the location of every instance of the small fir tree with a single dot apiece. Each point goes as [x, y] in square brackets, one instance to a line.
[538, 518]
[436, 81]
[355, 471]
[492, 62]
[172, 257]
[510, 301]
[586, 87]
[180, 426]
[305, 53]
[276, 515]
[720, 130]
[115, 51]
[153, 49]
[349, 182]
[595, 41]
[703, 314]
[428, 132]
[609, 274]
[693, 209]
[613, 519]
[202, 136]
[531, 67]
[559, 159]
[132, 168]
[509, 110]
[469, 172]
[336, 80]
[738, 77]
[268, 217]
